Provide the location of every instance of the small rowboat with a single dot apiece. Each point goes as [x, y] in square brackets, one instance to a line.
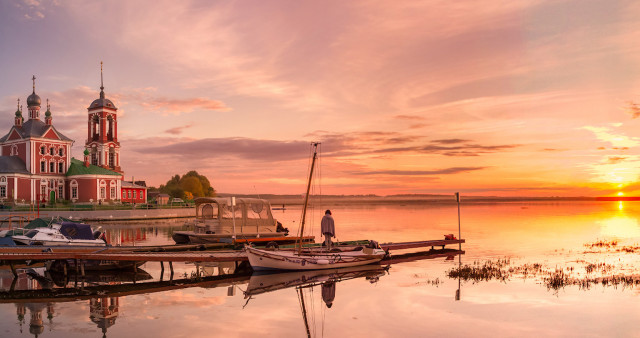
[292, 260]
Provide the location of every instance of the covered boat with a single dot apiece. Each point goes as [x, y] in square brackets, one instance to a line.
[64, 233]
[219, 219]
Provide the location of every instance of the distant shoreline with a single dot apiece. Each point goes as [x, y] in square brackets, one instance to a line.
[277, 200]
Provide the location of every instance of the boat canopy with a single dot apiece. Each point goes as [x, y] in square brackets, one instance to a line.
[249, 213]
[76, 230]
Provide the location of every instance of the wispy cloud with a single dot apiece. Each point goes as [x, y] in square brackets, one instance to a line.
[447, 171]
[616, 139]
[176, 106]
[178, 130]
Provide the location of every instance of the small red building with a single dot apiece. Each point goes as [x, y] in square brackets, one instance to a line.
[133, 193]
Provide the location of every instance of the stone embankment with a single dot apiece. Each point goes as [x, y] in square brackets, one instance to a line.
[112, 215]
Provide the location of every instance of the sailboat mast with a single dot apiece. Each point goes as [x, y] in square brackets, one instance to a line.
[304, 312]
[306, 196]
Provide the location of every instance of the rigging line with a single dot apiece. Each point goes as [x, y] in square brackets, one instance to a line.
[313, 312]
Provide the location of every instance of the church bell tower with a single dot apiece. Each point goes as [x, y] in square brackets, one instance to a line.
[102, 141]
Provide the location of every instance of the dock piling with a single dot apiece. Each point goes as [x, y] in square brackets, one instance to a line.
[13, 270]
[171, 268]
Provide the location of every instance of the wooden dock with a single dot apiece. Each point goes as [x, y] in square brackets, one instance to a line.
[67, 293]
[20, 253]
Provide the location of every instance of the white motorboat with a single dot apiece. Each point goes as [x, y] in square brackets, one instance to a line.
[64, 233]
[312, 260]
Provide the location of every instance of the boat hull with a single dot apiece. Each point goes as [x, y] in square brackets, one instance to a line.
[289, 260]
[23, 240]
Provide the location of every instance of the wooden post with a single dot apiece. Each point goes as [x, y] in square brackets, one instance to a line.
[161, 270]
[171, 268]
[13, 269]
[459, 235]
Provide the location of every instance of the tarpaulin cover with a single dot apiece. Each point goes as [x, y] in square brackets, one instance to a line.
[76, 230]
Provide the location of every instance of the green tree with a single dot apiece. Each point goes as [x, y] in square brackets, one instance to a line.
[191, 182]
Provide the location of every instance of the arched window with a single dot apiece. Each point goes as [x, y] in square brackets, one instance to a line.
[14, 150]
[207, 211]
[103, 189]
[74, 189]
[52, 151]
[94, 156]
[61, 189]
[112, 190]
[3, 187]
[112, 157]
[61, 151]
[43, 166]
[96, 127]
[110, 128]
[43, 150]
[61, 167]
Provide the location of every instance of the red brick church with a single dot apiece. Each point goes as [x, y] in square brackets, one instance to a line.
[36, 163]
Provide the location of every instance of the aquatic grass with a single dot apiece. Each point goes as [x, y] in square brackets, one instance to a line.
[553, 279]
[482, 271]
[602, 244]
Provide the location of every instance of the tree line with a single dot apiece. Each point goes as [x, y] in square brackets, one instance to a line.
[188, 186]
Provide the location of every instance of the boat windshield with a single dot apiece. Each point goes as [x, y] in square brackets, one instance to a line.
[31, 233]
[209, 211]
[229, 212]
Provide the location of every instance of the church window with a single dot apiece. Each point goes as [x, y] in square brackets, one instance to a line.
[43, 166]
[103, 190]
[14, 150]
[43, 192]
[96, 128]
[112, 157]
[60, 167]
[52, 151]
[61, 151]
[42, 150]
[113, 193]
[110, 128]
[94, 156]
[74, 189]
[3, 187]
[52, 167]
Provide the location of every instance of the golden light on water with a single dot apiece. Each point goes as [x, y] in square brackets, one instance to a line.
[620, 226]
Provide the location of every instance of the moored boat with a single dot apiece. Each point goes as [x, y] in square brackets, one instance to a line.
[312, 260]
[221, 219]
[293, 260]
[63, 233]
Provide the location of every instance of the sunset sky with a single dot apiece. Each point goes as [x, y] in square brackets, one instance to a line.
[515, 98]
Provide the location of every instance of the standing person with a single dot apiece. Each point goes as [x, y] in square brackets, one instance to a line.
[328, 292]
[327, 226]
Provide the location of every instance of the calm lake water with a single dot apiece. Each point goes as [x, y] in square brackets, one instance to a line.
[550, 269]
